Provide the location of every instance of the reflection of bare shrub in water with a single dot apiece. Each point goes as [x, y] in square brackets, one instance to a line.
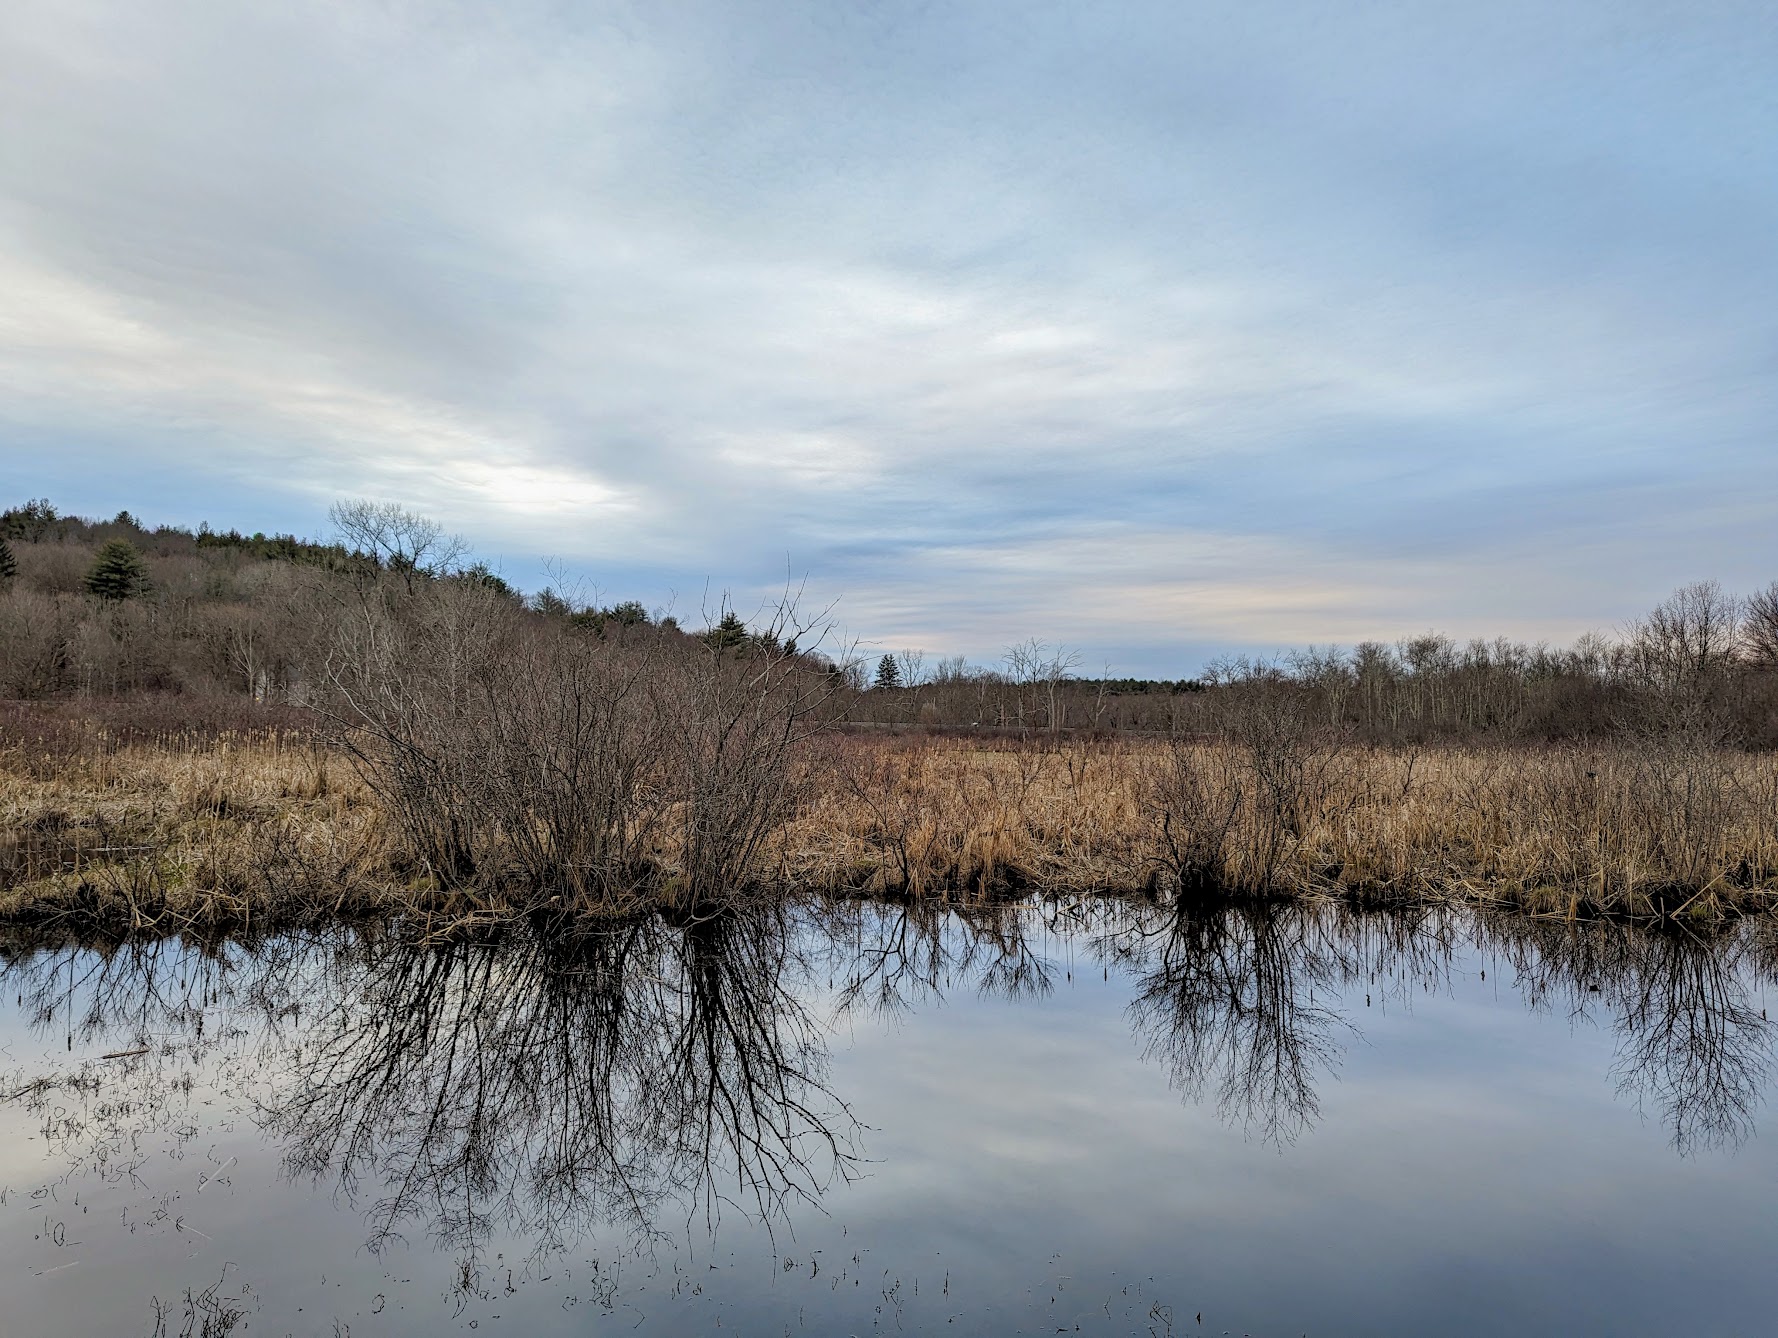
[1691, 1042]
[1239, 999]
[135, 991]
[556, 1085]
[1224, 998]
[551, 1084]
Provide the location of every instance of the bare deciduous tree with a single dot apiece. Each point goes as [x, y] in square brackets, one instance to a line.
[1692, 634]
[404, 540]
[1037, 666]
[1760, 629]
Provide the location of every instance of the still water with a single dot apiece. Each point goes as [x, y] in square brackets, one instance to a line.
[849, 1119]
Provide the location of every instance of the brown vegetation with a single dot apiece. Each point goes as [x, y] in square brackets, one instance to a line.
[190, 830]
[221, 831]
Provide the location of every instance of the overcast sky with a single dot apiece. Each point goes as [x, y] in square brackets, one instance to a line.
[1157, 330]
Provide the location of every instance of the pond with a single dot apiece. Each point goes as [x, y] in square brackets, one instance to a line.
[847, 1118]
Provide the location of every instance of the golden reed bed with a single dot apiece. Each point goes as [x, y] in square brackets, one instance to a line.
[189, 830]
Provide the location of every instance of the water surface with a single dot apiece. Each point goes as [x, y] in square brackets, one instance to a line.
[1109, 1117]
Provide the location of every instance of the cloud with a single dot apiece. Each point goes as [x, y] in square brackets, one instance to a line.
[1164, 331]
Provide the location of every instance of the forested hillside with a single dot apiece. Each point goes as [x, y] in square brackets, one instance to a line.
[110, 607]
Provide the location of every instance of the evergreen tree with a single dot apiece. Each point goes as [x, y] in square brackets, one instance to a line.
[729, 634]
[479, 575]
[118, 572]
[9, 566]
[31, 521]
[888, 672]
[547, 602]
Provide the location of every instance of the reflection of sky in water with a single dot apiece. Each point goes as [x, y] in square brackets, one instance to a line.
[1473, 1168]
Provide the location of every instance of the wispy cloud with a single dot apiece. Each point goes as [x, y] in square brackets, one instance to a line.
[1162, 330]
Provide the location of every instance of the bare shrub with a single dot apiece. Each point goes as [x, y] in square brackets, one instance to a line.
[410, 675]
[35, 632]
[1197, 796]
[579, 763]
[1290, 754]
[1683, 798]
[1685, 722]
[879, 781]
[733, 720]
[572, 760]
[1231, 815]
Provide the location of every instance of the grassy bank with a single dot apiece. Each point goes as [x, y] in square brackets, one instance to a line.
[212, 827]
[1563, 830]
[187, 827]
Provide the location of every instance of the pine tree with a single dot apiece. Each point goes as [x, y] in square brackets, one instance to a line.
[888, 672]
[9, 566]
[729, 634]
[118, 572]
[547, 602]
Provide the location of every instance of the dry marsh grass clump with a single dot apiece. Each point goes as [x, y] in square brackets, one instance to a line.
[971, 817]
[1608, 829]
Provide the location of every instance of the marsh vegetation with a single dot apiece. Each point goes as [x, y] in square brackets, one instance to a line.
[212, 831]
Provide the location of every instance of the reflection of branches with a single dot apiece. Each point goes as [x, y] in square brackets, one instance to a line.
[552, 1084]
[1224, 998]
[1227, 996]
[1691, 1040]
[133, 987]
[890, 956]
[156, 1005]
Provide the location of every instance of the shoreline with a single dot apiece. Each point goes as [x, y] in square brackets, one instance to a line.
[200, 828]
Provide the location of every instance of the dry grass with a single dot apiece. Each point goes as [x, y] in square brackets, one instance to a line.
[225, 829]
[187, 830]
[1622, 829]
[972, 817]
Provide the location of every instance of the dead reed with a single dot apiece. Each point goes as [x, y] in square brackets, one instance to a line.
[1632, 828]
[188, 830]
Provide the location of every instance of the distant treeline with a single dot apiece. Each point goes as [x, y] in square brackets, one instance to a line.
[105, 607]
[1703, 656]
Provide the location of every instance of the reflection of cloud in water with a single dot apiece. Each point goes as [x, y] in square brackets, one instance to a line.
[655, 1073]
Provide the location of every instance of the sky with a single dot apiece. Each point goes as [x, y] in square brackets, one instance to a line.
[1158, 331]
